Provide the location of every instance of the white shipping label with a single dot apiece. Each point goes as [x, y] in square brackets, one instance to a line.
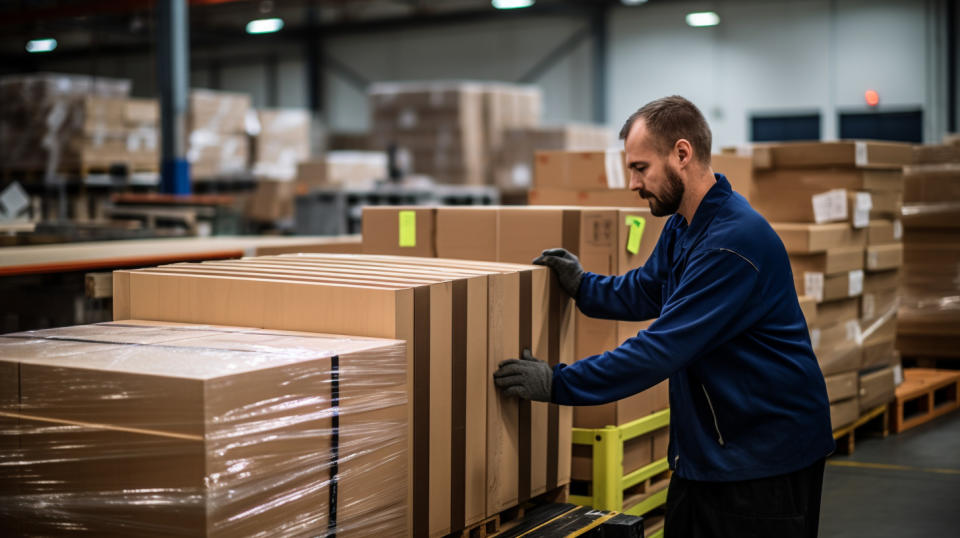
[898, 375]
[815, 338]
[872, 260]
[861, 218]
[853, 331]
[860, 154]
[897, 229]
[856, 282]
[813, 285]
[868, 306]
[864, 201]
[613, 163]
[829, 206]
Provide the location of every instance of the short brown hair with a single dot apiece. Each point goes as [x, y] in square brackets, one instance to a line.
[671, 118]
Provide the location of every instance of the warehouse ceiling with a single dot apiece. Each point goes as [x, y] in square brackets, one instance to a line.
[104, 26]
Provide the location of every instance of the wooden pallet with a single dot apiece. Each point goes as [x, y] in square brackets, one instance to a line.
[875, 422]
[506, 518]
[924, 395]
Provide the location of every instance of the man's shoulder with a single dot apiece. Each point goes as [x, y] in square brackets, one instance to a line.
[740, 228]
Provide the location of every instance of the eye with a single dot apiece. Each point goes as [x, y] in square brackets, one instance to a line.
[639, 168]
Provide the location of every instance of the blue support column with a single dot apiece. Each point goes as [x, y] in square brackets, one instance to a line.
[173, 61]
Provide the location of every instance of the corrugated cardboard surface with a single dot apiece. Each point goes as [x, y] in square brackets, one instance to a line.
[841, 386]
[382, 231]
[833, 261]
[844, 153]
[801, 238]
[844, 412]
[876, 388]
[881, 232]
[839, 359]
[884, 257]
[831, 178]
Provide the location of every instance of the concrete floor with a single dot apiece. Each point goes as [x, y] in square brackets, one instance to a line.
[904, 486]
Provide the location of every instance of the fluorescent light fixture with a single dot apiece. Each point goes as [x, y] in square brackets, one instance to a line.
[703, 18]
[512, 4]
[633, 2]
[264, 26]
[41, 45]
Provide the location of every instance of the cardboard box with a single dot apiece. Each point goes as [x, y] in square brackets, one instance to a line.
[808, 305]
[881, 353]
[833, 261]
[876, 304]
[843, 413]
[884, 232]
[399, 230]
[137, 419]
[801, 204]
[218, 111]
[936, 153]
[355, 169]
[378, 294]
[580, 170]
[468, 233]
[837, 311]
[884, 257]
[830, 336]
[845, 153]
[515, 154]
[811, 238]
[589, 198]
[829, 287]
[886, 205]
[932, 183]
[638, 234]
[738, 170]
[842, 386]
[876, 388]
[840, 359]
[281, 141]
[874, 282]
[272, 200]
[823, 179]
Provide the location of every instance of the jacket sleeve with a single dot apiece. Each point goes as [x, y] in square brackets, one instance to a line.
[709, 306]
[633, 296]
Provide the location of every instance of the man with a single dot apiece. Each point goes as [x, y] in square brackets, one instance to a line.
[749, 415]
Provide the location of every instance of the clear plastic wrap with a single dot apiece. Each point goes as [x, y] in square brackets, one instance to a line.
[281, 140]
[217, 143]
[147, 429]
[54, 122]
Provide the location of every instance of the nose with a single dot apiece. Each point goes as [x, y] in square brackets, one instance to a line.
[636, 182]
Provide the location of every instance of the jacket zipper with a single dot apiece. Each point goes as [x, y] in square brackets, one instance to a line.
[713, 414]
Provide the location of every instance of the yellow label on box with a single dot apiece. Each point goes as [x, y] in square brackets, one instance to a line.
[636, 225]
[408, 228]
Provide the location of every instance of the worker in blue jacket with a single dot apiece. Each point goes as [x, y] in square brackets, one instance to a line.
[749, 415]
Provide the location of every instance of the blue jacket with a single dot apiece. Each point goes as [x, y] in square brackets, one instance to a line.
[747, 398]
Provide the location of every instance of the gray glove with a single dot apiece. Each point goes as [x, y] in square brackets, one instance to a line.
[526, 378]
[565, 266]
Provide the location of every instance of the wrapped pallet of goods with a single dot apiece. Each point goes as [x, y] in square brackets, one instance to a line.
[472, 451]
[845, 250]
[55, 124]
[515, 159]
[217, 141]
[139, 428]
[930, 309]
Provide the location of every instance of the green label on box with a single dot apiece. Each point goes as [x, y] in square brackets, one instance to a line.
[636, 225]
[408, 228]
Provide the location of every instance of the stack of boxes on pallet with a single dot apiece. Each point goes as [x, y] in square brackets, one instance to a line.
[607, 241]
[62, 124]
[471, 133]
[836, 207]
[929, 316]
[217, 139]
[152, 428]
[472, 452]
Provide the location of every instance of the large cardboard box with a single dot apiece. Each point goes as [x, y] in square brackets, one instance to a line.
[799, 238]
[884, 257]
[808, 305]
[841, 154]
[588, 198]
[841, 386]
[884, 232]
[580, 170]
[823, 179]
[876, 388]
[837, 311]
[145, 427]
[399, 230]
[281, 140]
[638, 234]
[932, 183]
[516, 153]
[833, 261]
[356, 169]
[801, 204]
[468, 233]
[829, 287]
[381, 294]
[845, 357]
[843, 413]
[738, 171]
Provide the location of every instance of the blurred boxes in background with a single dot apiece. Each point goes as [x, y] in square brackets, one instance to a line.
[217, 141]
[280, 140]
[515, 161]
[355, 169]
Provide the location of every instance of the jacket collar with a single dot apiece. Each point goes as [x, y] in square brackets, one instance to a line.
[708, 208]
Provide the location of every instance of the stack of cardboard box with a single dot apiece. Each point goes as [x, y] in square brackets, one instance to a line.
[929, 316]
[151, 428]
[607, 241]
[515, 159]
[473, 452]
[351, 169]
[601, 178]
[217, 144]
[142, 124]
[280, 140]
[53, 123]
[451, 130]
[836, 207]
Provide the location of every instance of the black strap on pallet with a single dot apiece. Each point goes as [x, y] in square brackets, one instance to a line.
[334, 444]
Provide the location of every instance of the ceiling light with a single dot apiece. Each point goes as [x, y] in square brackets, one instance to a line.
[633, 2]
[512, 4]
[703, 18]
[41, 45]
[264, 26]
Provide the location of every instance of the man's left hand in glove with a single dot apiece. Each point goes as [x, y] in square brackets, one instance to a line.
[527, 378]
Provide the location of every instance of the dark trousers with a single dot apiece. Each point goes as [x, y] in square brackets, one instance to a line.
[784, 506]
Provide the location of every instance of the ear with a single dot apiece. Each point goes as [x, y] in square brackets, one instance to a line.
[684, 152]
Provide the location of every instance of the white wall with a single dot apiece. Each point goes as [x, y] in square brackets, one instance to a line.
[775, 57]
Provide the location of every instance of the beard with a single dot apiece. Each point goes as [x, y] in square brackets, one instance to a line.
[668, 202]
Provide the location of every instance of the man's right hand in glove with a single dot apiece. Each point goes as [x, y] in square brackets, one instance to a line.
[565, 266]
